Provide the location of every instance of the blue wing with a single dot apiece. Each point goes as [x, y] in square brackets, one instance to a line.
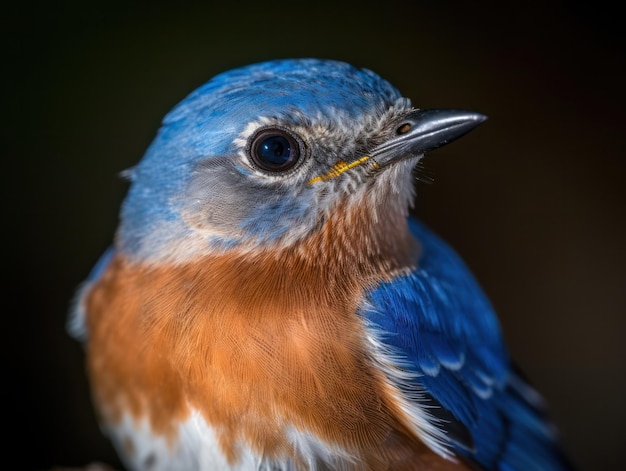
[440, 322]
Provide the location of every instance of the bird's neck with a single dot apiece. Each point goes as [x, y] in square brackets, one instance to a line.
[360, 240]
[270, 335]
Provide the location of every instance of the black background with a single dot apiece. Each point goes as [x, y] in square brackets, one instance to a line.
[533, 199]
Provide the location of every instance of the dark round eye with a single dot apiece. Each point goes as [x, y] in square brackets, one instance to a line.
[275, 150]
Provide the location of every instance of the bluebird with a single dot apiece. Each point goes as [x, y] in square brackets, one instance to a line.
[268, 302]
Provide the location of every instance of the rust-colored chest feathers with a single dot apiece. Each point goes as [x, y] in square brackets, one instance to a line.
[261, 346]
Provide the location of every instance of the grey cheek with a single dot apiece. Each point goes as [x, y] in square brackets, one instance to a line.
[218, 197]
[227, 202]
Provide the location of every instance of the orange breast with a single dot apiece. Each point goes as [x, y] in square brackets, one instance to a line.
[257, 344]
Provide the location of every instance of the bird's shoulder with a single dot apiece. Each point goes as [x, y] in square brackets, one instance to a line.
[438, 316]
[437, 324]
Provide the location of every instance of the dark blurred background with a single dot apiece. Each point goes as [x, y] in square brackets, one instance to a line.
[534, 199]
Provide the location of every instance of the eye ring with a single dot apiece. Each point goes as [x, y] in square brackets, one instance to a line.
[275, 149]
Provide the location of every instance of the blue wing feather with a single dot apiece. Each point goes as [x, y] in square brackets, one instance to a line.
[439, 321]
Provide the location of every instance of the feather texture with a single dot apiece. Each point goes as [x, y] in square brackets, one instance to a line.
[438, 321]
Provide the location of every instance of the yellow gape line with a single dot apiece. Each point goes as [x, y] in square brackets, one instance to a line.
[340, 167]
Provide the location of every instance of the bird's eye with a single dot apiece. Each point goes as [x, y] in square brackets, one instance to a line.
[275, 150]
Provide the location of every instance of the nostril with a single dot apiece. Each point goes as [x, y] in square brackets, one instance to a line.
[404, 128]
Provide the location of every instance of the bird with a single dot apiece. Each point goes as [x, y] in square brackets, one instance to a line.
[269, 302]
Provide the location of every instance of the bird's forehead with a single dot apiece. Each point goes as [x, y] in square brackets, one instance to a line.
[312, 90]
[307, 85]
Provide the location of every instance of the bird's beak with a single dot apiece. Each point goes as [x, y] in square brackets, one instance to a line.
[422, 131]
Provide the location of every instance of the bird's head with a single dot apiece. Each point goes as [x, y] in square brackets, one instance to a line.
[268, 156]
